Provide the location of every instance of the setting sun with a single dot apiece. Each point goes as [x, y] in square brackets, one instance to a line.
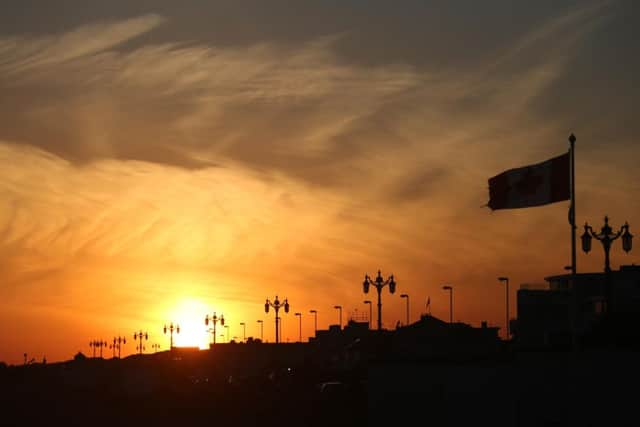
[189, 315]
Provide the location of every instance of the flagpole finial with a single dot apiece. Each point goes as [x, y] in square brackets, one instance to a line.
[572, 138]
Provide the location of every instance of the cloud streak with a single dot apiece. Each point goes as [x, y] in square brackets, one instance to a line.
[22, 54]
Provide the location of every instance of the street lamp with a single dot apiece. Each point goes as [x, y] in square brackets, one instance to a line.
[339, 308]
[121, 343]
[407, 297]
[315, 321]
[244, 331]
[113, 348]
[277, 304]
[155, 347]
[171, 328]
[261, 330]
[139, 336]
[606, 237]
[379, 283]
[370, 311]
[506, 280]
[97, 344]
[117, 345]
[214, 319]
[450, 289]
[299, 326]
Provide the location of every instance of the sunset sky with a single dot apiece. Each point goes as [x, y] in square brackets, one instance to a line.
[164, 160]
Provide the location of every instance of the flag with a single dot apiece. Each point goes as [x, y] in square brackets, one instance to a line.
[532, 185]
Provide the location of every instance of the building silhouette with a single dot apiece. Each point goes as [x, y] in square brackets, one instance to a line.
[553, 316]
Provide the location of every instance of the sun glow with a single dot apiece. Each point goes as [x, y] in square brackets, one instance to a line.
[189, 315]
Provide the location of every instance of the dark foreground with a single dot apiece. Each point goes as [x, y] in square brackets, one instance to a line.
[592, 388]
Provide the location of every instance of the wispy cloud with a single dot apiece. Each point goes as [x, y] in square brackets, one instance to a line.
[27, 54]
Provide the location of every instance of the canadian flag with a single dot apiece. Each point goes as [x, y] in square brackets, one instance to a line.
[532, 185]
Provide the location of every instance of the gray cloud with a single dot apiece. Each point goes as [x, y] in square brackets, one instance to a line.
[301, 109]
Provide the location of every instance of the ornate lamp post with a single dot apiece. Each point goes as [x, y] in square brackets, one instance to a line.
[315, 321]
[113, 348]
[155, 347]
[339, 308]
[407, 297]
[379, 283]
[171, 328]
[506, 280]
[606, 237]
[450, 289]
[370, 311]
[277, 304]
[118, 342]
[214, 319]
[244, 331]
[97, 344]
[139, 336]
[261, 330]
[121, 342]
[299, 326]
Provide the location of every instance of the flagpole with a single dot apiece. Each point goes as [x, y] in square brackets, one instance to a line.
[572, 205]
[572, 221]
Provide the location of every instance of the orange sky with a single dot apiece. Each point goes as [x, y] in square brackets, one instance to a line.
[146, 177]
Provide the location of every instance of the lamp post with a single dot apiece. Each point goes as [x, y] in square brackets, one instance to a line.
[277, 304]
[379, 283]
[370, 311]
[214, 319]
[171, 328]
[606, 237]
[261, 330]
[407, 297]
[97, 344]
[113, 348]
[121, 342]
[339, 308]
[315, 321]
[139, 336]
[118, 342]
[299, 326]
[450, 289]
[244, 331]
[155, 347]
[506, 280]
